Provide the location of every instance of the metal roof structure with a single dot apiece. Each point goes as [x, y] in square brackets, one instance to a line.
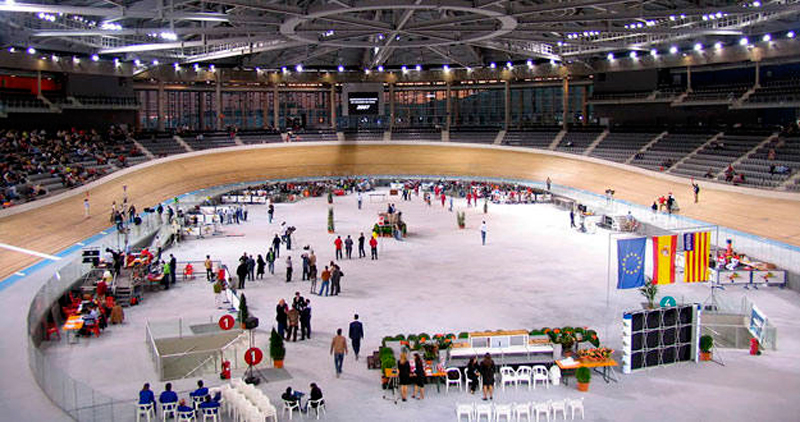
[371, 34]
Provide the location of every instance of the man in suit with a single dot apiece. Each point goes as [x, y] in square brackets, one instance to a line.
[356, 334]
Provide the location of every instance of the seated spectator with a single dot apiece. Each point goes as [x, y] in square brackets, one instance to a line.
[168, 396]
[208, 403]
[709, 174]
[146, 396]
[200, 392]
[316, 394]
[182, 407]
[291, 396]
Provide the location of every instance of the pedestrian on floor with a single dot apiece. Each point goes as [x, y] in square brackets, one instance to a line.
[325, 276]
[348, 247]
[571, 218]
[166, 275]
[305, 321]
[260, 264]
[294, 322]
[288, 269]
[696, 189]
[271, 212]
[251, 268]
[356, 333]
[361, 239]
[451, 204]
[304, 258]
[280, 317]
[336, 279]
[359, 200]
[419, 375]
[337, 244]
[312, 267]
[271, 261]
[373, 245]
[338, 350]
[241, 272]
[209, 268]
[276, 245]
[487, 374]
[483, 233]
[218, 288]
[548, 182]
[173, 268]
[86, 207]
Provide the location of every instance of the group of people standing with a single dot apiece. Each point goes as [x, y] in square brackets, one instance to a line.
[347, 243]
[289, 319]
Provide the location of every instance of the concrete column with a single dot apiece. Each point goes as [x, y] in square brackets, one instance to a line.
[521, 109]
[160, 106]
[391, 106]
[758, 74]
[507, 104]
[565, 102]
[218, 96]
[265, 109]
[333, 106]
[243, 106]
[448, 108]
[39, 82]
[688, 79]
[275, 103]
[585, 105]
[202, 110]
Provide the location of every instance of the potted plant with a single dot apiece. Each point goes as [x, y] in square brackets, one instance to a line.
[244, 313]
[461, 219]
[388, 363]
[706, 343]
[583, 375]
[331, 228]
[277, 351]
[649, 291]
[565, 337]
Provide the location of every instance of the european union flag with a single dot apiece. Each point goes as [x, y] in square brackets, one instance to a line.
[630, 265]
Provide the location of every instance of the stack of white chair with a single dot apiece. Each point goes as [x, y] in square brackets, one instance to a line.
[539, 408]
[576, 404]
[555, 375]
[245, 403]
[525, 375]
[503, 411]
[559, 406]
[465, 410]
[522, 409]
[483, 409]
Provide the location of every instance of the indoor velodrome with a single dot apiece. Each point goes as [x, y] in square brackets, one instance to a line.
[512, 210]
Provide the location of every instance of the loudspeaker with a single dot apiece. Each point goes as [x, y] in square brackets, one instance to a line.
[148, 210]
[251, 323]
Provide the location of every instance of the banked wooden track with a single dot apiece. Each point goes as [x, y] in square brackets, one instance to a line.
[51, 227]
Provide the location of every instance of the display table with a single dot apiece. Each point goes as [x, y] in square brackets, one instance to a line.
[438, 376]
[506, 347]
[602, 367]
[72, 326]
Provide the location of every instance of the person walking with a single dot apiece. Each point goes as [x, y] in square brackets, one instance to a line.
[294, 321]
[359, 200]
[305, 321]
[312, 267]
[361, 239]
[306, 268]
[548, 182]
[218, 289]
[271, 212]
[260, 264]
[288, 269]
[338, 350]
[336, 279]
[373, 246]
[348, 247]
[173, 268]
[271, 261]
[276, 245]
[209, 268]
[280, 317]
[696, 189]
[86, 207]
[419, 375]
[251, 268]
[356, 333]
[241, 272]
[166, 271]
[337, 244]
[483, 233]
[487, 373]
[572, 218]
[326, 276]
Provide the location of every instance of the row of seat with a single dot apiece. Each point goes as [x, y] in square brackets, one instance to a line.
[509, 376]
[245, 403]
[498, 412]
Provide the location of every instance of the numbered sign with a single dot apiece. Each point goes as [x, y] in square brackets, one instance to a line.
[253, 356]
[226, 322]
[668, 301]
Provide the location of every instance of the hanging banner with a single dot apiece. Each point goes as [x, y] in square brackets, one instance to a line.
[664, 259]
[630, 262]
[696, 247]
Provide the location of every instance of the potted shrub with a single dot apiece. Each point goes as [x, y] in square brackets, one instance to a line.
[277, 351]
[649, 291]
[330, 197]
[244, 313]
[583, 375]
[331, 228]
[388, 362]
[461, 219]
[706, 343]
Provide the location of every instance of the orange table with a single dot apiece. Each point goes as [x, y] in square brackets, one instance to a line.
[603, 367]
[393, 376]
[74, 323]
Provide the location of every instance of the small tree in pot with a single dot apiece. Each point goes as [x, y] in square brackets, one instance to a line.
[331, 227]
[706, 343]
[277, 351]
[244, 313]
[461, 219]
[583, 375]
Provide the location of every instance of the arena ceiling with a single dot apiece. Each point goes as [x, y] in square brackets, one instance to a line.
[367, 34]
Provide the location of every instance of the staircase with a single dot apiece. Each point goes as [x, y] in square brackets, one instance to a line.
[680, 99]
[144, 150]
[557, 140]
[596, 142]
[183, 143]
[752, 151]
[646, 146]
[696, 150]
[498, 140]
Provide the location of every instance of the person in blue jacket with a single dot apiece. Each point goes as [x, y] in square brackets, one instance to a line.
[146, 396]
[168, 396]
[201, 391]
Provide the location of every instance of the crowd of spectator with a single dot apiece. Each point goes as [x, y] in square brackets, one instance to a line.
[64, 154]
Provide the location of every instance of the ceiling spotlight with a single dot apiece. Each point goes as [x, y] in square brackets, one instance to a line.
[492, 65]
[718, 45]
[116, 61]
[211, 68]
[418, 68]
[155, 62]
[137, 62]
[95, 57]
[632, 55]
[258, 69]
[446, 68]
[530, 63]
[284, 69]
[509, 65]
[756, 3]
[367, 71]
[31, 50]
[340, 68]
[744, 41]
[75, 60]
[380, 68]
[12, 50]
[672, 18]
[299, 67]
[719, 15]
[698, 47]
[404, 68]
[469, 69]
[610, 57]
[790, 34]
[553, 62]
[54, 58]
[765, 38]
[176, 66]
[654, 52]
[673, 50]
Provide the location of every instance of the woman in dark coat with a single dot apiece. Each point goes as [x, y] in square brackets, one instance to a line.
[473, 372]
[419, 372]
[260, 263]
[487, 373]
[404, 375]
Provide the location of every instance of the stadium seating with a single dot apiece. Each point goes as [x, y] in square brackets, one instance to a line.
[530, 138]
[473, 135]
[619, 146]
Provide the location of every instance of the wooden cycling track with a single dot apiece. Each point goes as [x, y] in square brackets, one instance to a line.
[52, 227]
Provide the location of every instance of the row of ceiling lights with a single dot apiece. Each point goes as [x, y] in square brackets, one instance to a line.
[698, 47]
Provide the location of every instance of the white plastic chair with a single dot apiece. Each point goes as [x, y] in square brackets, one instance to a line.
[168, 409]
[456, 381]
[502, 411]
[555, 375]
[521, 409]
[146, 410]
[211, 414]
[186, 416]
[317, 405]
[463, 409]
[524, 375]
[540, 374]
[508, 376]
[291, 406]
[576, 404]
[539, 408]
[559, 406]
[196, 400]
[483, 410]
[270, 413]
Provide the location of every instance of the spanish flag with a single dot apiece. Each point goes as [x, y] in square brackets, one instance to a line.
[664, 259]
[696, 251]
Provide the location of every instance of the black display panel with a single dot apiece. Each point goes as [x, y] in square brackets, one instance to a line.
[363, 103]
[637, 341]
[637, 321]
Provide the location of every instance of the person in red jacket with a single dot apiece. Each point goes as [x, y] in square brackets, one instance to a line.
[373, 245]
[338, 244]
[443, 198]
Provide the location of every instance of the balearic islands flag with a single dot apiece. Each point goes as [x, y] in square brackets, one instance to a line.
[696, 250]
[664, 259]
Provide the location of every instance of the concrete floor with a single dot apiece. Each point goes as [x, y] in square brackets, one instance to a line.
[533, 272]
